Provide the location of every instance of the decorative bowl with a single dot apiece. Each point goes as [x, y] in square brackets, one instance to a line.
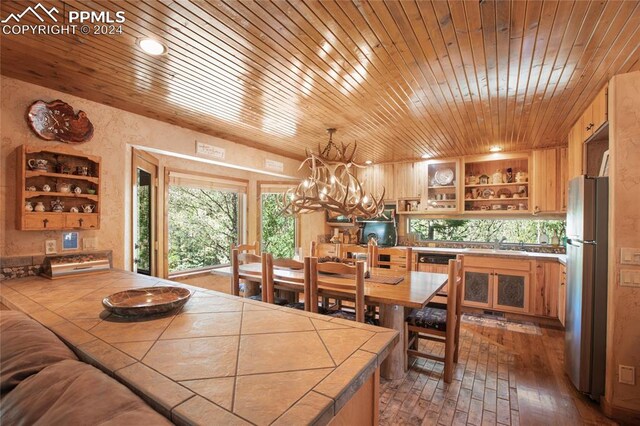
[146, 301]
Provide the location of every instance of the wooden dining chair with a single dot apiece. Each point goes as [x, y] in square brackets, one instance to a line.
[439, 325]
[272, 270]
[356, 287]
[238, 259]
[399, 258]
[313, 249]
[242, 248]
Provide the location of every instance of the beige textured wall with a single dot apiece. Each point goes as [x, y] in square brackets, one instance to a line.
[116, 131]
[623, 327]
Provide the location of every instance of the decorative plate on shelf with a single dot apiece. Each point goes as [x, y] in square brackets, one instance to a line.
[487, 193]
[505, 192]
[57, 121]
[140, 302]
[444, 177]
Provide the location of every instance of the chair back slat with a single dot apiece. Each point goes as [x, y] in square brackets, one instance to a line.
[244, 258]
[311, 284]
[358, 288]
[255, 247]
[288, 264]
[235, 273]
[336, 268]
[403, 253]
[313, 249]
[267, 278]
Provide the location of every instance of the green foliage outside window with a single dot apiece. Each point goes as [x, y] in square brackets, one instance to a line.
[203, 224]
[143, 257]
[278, 230]
[482, 230]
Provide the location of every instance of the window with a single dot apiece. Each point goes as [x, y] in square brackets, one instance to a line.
[278, 231]
[482, 230]
[204, 220]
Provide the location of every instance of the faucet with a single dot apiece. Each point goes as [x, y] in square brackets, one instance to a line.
[497, 244]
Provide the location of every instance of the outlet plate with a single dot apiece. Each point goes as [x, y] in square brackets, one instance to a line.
[50, 247]
[627, 374]
[629, 278]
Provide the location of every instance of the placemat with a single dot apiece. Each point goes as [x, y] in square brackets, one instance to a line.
[375, 279]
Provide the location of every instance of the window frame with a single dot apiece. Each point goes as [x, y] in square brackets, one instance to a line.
[260, 191]
[242, 214]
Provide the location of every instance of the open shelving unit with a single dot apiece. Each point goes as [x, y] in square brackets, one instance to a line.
[56, 158]
[497, 183]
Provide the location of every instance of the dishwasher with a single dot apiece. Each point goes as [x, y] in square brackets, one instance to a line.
[439, 264]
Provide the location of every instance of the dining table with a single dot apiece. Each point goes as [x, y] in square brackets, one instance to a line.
[394, 292]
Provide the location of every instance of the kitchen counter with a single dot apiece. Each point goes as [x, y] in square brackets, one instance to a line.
[562, 258]
[221, 359]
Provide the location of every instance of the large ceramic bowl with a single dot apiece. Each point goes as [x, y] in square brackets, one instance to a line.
[146, 301]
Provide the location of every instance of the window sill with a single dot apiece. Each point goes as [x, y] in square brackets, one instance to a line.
[195, 272]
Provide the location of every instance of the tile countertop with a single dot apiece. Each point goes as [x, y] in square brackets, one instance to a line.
[221, 358]
[562, 258]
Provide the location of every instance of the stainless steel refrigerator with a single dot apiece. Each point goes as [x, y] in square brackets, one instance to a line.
[586, 310]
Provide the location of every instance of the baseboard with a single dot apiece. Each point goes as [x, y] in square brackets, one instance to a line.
[623, 415]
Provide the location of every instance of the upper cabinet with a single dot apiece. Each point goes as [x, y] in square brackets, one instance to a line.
[58, 188]
[376, 177]
[593, 118]
[410, 179]
[497, 183]
[549, 180]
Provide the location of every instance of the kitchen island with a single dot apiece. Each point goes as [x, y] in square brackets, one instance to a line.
[221, 359]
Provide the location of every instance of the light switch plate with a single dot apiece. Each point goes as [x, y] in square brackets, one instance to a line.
[629, 278]
[50, 247]
[630, 256]
[626, 374]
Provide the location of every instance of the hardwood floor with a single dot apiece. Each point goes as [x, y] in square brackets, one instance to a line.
[507, 374]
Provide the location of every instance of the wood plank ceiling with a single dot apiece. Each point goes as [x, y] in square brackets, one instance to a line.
[403, 78]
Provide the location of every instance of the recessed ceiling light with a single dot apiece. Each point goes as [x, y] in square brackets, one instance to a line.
[368, 162]
[151, 46]
[495, 148]
[425, 156]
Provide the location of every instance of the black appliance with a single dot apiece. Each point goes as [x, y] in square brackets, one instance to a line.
[385, 233]
[435, 259]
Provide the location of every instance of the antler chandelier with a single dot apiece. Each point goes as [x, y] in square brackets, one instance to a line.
[332, 185]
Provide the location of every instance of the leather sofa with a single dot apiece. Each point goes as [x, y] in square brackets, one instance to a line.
[43, 382]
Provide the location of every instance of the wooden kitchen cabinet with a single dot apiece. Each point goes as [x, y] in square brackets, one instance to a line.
[378, 176]
[503, 287]
[409, 179]
[550, 180]
[478, 286]
[595, 115]
[545, 289]
[563, 178]
[576, 151]
[562, 294]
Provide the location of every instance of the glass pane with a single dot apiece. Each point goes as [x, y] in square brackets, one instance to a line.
[203, 224]
[278, 230]
[486, 230]
[476, 287]
[143, 223]
[511, 290]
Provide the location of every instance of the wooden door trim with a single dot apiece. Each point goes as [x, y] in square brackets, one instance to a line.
[145, 156]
